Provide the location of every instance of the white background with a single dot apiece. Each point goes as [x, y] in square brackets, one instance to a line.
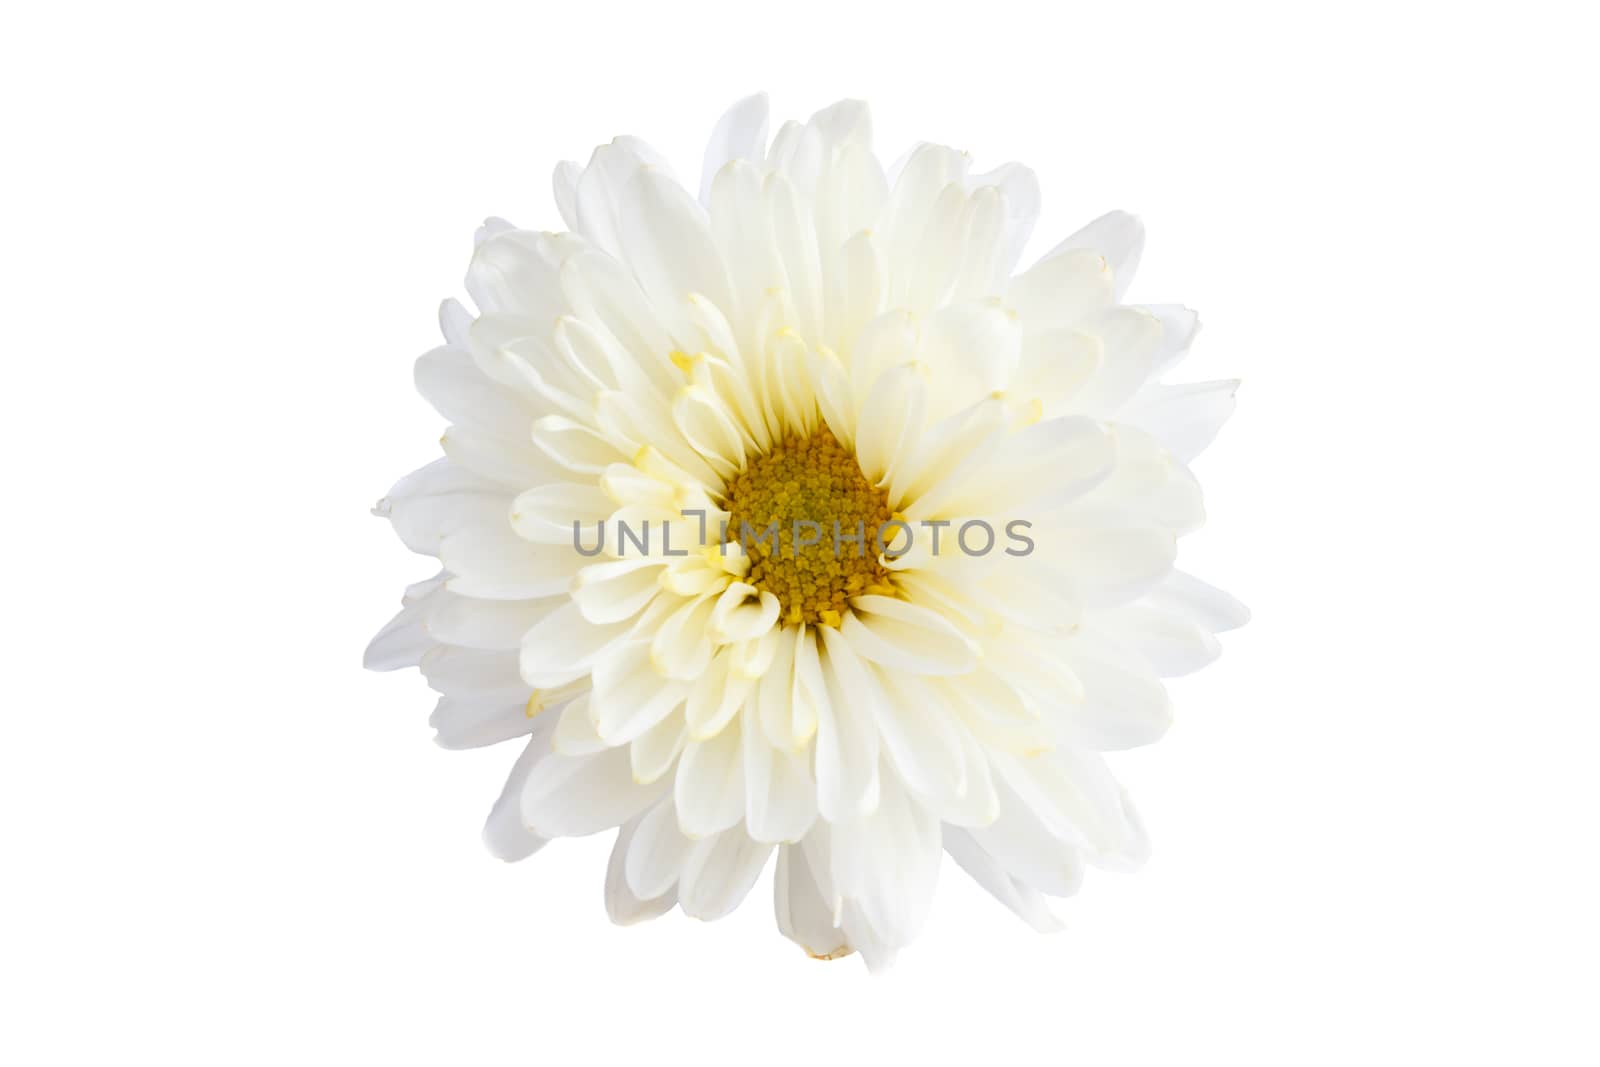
[225, 233]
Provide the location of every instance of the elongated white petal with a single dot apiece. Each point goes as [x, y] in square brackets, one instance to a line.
[887, 863]
[1170, 640]
[545, 515]
[630, 695]
[564, 645]
[741, 133]
[655, 752]
[1124, 704]
[617, 590]
[572, 796]
[657, 852]
[1118, 237]
[1027, 849]
[575, 733]
[668, 243]
[709, 787]
[906, 637]
[469, 722]
[1060, 290]
[780, 795]
[1208, 605]
[1185, 418]
[504, 832]
[719, 873]
[804, 915]
[623, 906]
[402, 642]
[847, 739]
[1029, 905]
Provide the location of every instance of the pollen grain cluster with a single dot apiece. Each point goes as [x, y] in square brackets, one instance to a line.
[810, 479]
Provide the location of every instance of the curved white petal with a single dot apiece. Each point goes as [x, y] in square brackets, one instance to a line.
[719, 873]
[623, 906]
[504, 833]
[709, 787]
[741, 133]
[573, 796]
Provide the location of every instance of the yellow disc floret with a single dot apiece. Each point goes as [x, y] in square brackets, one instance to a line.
[805, 480]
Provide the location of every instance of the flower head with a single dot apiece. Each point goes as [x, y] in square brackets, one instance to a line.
[794, 518]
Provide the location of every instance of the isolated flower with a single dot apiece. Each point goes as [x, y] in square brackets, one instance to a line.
[809, 342]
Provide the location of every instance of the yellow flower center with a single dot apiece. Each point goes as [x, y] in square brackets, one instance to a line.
[804, 480]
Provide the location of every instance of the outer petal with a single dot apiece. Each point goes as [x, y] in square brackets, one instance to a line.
[804, 916]
[623, 907]
[504, 832]
[741, 133]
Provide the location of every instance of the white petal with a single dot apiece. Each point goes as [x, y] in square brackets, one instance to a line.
[402, 642]
[847, 736]
[575, 734]
[1062, 289]
[630, 695]
[1172, 642]
[889, 435]
[1110, 564]
[564, 645]
[423, 520]
[796, 240]
[622, 906]
[1178, 328]
[1124, 705]
[603, 292]
[511, 462]
[1020, 189]
[617, 590]
[719, 873]
[681, 647]
[1072, 794]
[1038, 469]
[657, 852]
[973, 349]
[707, 425]
[887, 863]
[709, 787]
[476, 673]
[570, 796]
[654, 752]
[1116, 235]
[988, 872]
[737, 617]
[448, 379]
[741, 133]
[669, 245]
[472, 722]
[922, 739]
[564, 185]
[1028, 851]
[1130, 341]
[486, 624]
[906, 637]
[493, 563]
[1185, 418]
[715, 698]
[804, 917]
[545, 515]
[780, 796]
[514, 272]
[503, 832]
[1208, 605]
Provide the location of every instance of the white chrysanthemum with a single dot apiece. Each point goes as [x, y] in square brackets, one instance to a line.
[811, 339]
